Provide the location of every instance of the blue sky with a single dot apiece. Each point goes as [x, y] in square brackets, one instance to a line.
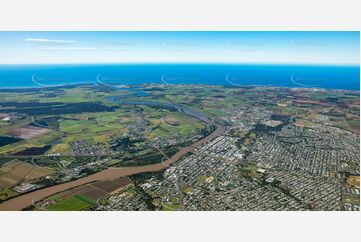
[340, 48]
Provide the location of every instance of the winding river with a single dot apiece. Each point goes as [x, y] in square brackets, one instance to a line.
[23, 201]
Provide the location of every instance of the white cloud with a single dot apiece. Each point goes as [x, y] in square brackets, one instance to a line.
[36, 40]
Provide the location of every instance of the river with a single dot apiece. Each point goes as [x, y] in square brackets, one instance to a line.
[23, 201]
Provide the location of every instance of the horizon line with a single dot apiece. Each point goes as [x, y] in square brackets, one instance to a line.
[188, 63]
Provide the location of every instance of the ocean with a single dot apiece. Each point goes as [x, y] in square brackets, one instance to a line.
[302, 76]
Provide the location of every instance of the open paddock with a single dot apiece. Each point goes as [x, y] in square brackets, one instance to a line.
[82, 197]
[19, 171]
[28, 132]
[354, 181]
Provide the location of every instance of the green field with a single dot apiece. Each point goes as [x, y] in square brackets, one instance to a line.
[73, 203]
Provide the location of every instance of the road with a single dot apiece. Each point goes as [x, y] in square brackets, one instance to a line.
[23, 201]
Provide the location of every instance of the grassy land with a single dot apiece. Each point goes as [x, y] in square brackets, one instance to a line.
[173, 205]
[354, 181]
[17, 172]
[73, 203]
[187, 189]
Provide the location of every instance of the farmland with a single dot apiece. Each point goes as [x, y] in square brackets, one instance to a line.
[17, 172]
[58, 140]
[82, 197]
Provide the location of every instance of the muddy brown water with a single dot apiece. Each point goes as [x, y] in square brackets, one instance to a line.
[23, 201]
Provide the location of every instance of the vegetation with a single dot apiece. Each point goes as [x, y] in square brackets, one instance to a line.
[74, 203]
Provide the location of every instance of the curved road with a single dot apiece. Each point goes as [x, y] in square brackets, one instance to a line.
[23, 201]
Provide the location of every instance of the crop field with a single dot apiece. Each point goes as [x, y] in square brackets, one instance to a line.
[73, 203]
[54, 118]
[85, 196]
[354, 125]
[75, 132]
[16, 172]
[38, 141]
[19, 171]
[28, 132]
[164, 128]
